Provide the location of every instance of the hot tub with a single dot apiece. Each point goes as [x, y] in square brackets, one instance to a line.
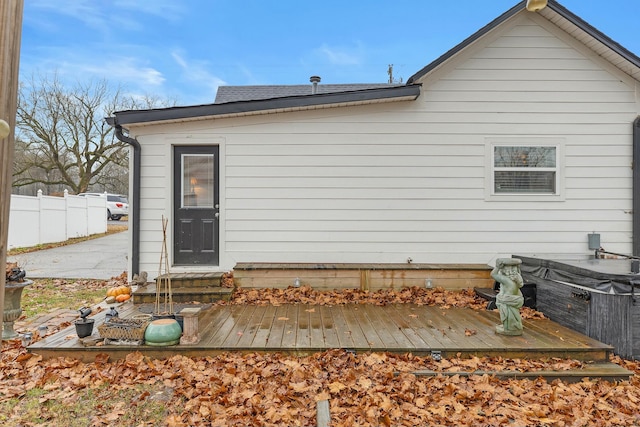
[597, 297]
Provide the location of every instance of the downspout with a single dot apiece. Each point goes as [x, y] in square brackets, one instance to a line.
[636, 188]
[135, 194]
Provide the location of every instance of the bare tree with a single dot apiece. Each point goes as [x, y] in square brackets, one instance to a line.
[64, 137]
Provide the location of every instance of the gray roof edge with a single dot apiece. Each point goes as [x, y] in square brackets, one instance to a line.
[239, 107]
[556, 7]
[594, 32]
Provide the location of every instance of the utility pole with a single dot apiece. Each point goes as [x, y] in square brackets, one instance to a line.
[10, 34]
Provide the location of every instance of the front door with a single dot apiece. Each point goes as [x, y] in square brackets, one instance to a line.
[196, 205]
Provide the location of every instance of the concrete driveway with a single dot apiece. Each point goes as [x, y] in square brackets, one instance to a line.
[101, 258]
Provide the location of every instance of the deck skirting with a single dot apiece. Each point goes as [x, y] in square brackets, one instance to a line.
[373, 277]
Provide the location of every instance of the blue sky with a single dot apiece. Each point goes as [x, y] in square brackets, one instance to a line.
[185, 49]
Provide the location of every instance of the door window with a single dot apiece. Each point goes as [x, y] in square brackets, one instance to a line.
[197, 181]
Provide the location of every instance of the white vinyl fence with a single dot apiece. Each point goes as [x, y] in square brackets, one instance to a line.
[48, 219]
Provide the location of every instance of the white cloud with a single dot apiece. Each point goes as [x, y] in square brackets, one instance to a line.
[104, 16]
[197, 72]
[170, 10]
[124, 70]
[87, 11]
[342, 55]
[128, 71]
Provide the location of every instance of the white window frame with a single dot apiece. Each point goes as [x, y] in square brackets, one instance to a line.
[490, 193]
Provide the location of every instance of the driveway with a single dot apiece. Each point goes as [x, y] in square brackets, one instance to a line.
[101, 258]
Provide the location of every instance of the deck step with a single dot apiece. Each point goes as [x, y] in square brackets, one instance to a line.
[201, 294]
[606, 371]
[366, 276]
[192, 280]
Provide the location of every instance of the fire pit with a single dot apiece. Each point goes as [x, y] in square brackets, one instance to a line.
[15, 283]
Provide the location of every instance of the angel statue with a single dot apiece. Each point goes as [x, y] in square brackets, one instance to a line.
[509, 299]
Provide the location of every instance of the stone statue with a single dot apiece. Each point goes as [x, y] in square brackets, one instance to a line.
[509, 299]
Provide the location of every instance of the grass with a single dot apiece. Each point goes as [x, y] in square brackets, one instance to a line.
[46, 295]
[120, 406]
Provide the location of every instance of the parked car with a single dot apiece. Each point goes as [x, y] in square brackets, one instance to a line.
[117, 205]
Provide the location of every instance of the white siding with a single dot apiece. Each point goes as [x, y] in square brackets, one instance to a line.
[387, 182]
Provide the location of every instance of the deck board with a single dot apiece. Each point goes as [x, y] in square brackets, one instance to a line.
[289, 335]
[253, 322]
[388, 335]
[304, 329]
[330, 335]
[398, 315]
[316, 331]
[342, 328]
[222, 328]
[274, 340]
[261, 336]
[360, 339]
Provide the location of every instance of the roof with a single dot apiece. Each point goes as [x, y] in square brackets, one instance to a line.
[248, 93]
[263, 106]
[557, 14]
[234, 101]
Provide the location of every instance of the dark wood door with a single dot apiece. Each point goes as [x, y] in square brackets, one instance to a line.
[196, 205]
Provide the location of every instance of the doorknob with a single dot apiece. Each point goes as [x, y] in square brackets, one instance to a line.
[216, 215]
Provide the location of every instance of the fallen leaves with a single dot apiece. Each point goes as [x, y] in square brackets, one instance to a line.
[416, 295]
[366, 389]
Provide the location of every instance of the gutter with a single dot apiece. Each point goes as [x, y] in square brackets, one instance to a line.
[636, 189]
[408, 92]
[135, 195]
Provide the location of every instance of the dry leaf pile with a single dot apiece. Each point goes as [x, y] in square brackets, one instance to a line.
[71, 286]
[375, 389]
[308, 295]
[414, 295]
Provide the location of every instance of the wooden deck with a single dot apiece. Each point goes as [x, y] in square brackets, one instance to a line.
[304, 329]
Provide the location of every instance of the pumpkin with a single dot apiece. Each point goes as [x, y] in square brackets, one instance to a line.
[123, 297]
[118, 290]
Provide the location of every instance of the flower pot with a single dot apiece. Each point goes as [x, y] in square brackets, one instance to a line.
[12, 308]
[84, 327]
[180, 320]
[157, 316]
[162, 332]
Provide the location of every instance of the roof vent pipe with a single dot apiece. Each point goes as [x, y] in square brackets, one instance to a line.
[314, 82]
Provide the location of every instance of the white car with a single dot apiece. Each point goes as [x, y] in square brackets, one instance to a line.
[117, 205]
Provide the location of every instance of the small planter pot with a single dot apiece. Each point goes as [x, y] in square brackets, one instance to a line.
[157, 316]
[84, 327]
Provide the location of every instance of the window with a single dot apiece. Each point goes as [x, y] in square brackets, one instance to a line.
[197, 180]
[526, 167]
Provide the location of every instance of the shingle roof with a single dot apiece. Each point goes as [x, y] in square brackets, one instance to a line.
[252, 93]
[259, 106]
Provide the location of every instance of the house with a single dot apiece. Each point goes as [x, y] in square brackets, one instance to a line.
[519, 140]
